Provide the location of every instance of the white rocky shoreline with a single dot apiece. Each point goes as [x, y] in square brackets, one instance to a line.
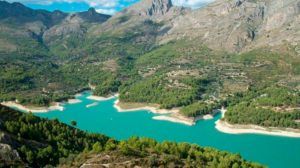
[225, 127]
[32, 109]
[13, 104]
[171, 115]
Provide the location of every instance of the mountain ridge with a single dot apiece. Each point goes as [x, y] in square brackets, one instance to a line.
[239, 26]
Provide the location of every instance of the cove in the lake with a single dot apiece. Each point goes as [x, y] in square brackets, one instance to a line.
[102, 117]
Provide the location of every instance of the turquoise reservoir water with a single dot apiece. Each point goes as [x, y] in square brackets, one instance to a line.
[273, 151]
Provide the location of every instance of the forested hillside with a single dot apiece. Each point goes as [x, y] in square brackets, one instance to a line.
[270, 107]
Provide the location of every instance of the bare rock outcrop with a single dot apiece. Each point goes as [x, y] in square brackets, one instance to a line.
[9, 157]
[239, 25]
[151, 7]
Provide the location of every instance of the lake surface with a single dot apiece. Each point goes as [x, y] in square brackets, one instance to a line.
[273, 151]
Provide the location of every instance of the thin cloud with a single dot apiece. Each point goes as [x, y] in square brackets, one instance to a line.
[191, 3]
[92, 3]
[112, 6]
[106, 11]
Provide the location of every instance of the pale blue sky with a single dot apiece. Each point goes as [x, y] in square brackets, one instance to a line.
[102, 6]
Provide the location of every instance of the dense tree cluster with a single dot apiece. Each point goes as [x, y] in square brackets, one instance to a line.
[43, 142]
[199, 108]
[106, 84]
[244, 113]
[157, 90]
[44, 83]
[279, 96]
[270, 107]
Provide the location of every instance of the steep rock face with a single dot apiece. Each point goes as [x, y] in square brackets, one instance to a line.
[157, 7]
[150, 8]
[223, 24]
[281, 24]
[238, 25]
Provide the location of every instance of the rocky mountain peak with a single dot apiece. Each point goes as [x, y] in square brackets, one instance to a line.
[92, 16]
[239, 2]
[92, 11]
[151, 7]
[159, 7]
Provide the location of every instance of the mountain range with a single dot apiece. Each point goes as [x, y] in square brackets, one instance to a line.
[237, 25]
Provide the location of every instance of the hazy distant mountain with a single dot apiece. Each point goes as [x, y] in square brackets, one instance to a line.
[42, 26]
[17, 13]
